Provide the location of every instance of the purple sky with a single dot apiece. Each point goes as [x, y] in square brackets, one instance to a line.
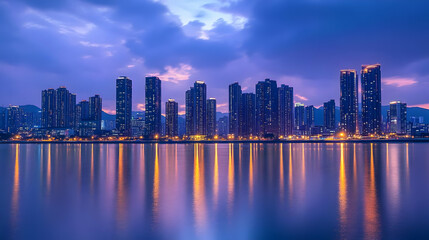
[85, 44]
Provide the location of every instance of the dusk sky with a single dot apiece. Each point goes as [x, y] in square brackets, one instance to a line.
[86, 44]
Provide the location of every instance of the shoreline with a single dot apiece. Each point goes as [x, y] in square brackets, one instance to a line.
[415, 140]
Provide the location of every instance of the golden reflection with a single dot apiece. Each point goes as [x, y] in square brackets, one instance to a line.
[290, 172]
[371, 209]
[216, 179]
[142, 168]
[156, 184]
[230, 176]
[240, 149]
[281, 169]
[303, 162]
[251, 173]
[15, 190]
[199, 201]
[48, 169]
[387, 157]
[407, 167]
[121, 201]
[342, 194]
[41, 163]
[354, 164]
[92, 167]
[79, 167]
[393, 181]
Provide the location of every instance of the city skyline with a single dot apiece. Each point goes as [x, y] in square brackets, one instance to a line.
[210, 41]
[268, 113]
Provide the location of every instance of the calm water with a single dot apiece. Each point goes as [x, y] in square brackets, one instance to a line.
[214, 191]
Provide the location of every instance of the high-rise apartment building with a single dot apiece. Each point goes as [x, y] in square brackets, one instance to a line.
[349, 102]
[300, 119]
[58, 108]
[235, 109]
[196, 109]
[371, 99]
[153, 106]
[190, 112]
[267, 108]
[397, 118]
[211, 117]
[49, 106]
[248, 115]
[95, 111]
[171, 118]
[123, 105]
[329, 115]
[285, 110]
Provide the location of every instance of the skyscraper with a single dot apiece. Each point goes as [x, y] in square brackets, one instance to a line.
[82, 111]
[49, 104]
[249, 114]
[329, 115]
[190, 112]
[123, 105]
[300, 118]
[211, 117]
[14, 119]
[371, 99]
[58, 108]
[398, 117]
[309, 118]
[222, 126]
[200, 101]
[349, 101]
[171, 118]
[2, 119]
[65, 108]
[95, 111]
[234, 109]
[153, 106]
[285, 110]
[196, 109]
[267, 108]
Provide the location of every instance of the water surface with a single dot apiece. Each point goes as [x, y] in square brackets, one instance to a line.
[214, 191]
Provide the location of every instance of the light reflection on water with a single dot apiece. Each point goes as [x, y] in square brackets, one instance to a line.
[214, 191]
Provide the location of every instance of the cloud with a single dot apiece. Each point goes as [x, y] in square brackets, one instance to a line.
[424, 105]
[399, 82]
[109, 111]
[302, 98]
[174, 75]
[141, 106]
[85, 44]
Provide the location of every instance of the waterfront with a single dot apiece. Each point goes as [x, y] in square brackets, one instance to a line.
[214, 191]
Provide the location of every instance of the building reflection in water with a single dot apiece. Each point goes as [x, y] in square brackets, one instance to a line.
[48, 170]
[230, 177]
[121, 194]
[290, 174]
[15, 189]
[199, 191]
[342, 194]
[371, 218]
[155, 193]
[281, 173]
[251, 173]
[393, 178]
[216, 178]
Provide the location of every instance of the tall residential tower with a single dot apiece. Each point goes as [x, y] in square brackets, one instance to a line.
[123, 105]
